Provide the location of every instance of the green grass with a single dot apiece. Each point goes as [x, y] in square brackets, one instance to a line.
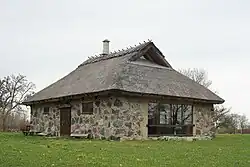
[20, 151]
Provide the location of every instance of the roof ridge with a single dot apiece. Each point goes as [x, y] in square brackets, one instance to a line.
[118, 53]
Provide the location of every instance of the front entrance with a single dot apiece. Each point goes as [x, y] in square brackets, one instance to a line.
[65, 121]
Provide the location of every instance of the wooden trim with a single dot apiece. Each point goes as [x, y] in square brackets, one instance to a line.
[169, 126]
[63, 106]
[46, 110]
[87, 101]
[173, 99]
[141, 52]
[149, 58]
[158, 57]
[192, 118]
[87, 112]
[177, 135]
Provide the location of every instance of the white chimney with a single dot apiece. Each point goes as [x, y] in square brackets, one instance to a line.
[105, 47]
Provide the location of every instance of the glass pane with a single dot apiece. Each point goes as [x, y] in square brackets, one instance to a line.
[163, 119]
[165, 114]
[176, 109]
[187, 114]
[152, 110]
[87, 108]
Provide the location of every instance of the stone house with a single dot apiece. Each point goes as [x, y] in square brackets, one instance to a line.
[131, 93]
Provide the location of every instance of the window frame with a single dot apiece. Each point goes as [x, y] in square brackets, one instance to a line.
[84, 103]
[46, 110]
[164, 115]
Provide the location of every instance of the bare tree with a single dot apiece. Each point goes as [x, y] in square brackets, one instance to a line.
[198, 75]
[235, 121]
[229, 123]
[243, 122]
[13, 91]
[201, 77]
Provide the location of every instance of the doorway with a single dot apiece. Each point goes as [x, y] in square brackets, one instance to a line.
[65, 121]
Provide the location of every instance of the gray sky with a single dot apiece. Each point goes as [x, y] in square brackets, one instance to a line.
[45, 39]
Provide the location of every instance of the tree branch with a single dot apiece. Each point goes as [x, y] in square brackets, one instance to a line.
[13, 90]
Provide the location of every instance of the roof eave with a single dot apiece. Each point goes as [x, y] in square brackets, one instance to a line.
[128, 93]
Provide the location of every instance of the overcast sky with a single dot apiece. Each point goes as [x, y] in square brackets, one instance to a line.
[46, 39]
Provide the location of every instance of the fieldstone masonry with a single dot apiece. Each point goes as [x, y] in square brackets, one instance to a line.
[112, 117]
[47, 123]
[204, 125]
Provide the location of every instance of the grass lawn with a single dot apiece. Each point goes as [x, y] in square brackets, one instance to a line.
[20, 151]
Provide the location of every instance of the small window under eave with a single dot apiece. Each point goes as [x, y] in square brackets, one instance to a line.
[152, 56]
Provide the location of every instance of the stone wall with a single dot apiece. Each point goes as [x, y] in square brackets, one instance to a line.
[204, 125]
[47, 123]
[112, 117]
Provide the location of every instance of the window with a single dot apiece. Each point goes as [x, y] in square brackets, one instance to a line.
[87, 108]
[46, 110]
[174, 119]
[187, 114]
[170, 114]
[182, 114]
[165, 113]
[177, 114]
[160, 113]
[152, 110]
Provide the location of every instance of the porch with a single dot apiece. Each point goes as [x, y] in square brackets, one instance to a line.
[170, 120]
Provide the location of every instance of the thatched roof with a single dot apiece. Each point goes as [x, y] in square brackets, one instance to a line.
[141, 69]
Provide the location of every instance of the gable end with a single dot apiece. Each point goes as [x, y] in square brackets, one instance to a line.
[152, 54]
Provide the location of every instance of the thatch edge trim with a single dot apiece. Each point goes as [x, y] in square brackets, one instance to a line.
[118, 92]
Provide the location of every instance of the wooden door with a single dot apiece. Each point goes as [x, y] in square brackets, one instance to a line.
[65, 121]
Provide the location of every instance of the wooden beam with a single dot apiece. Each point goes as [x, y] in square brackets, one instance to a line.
[169, 126]
[141, 53]
[149, 58]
